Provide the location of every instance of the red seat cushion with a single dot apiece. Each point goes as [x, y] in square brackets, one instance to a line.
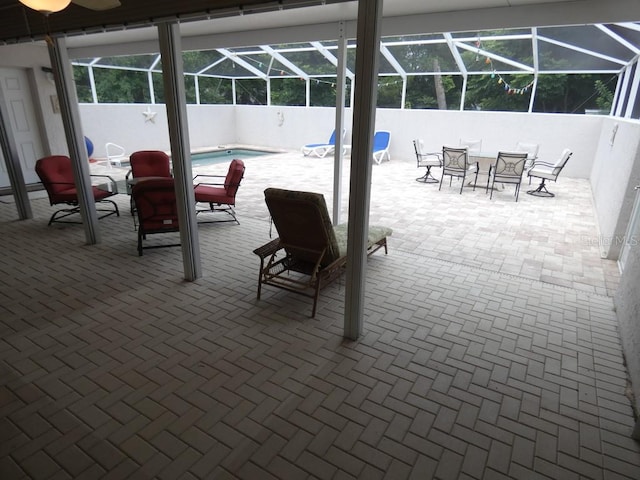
[208, 194]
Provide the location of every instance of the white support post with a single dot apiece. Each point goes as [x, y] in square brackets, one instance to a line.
[367, 59]
[66, 90]
[339, 127]
[176, 104]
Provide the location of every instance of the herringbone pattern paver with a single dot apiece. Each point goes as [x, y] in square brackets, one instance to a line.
[490, 348]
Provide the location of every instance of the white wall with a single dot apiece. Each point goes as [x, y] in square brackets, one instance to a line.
[498, 131]
[292, 127]
[133, 128]
[627, 302]
[615, 173]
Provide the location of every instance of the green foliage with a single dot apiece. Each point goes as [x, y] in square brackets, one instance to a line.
[389, 92]
[216, 91]
[421, 92]
[251, 91]
[487, 92]
[288, 91]
[573, 93]
[604, 100]
[121, 86]
[323, 92]
[487, 87]
[83, 85]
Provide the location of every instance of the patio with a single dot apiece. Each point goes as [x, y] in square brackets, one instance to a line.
[490, 345]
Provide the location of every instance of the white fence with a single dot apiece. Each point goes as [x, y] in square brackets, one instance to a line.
[135, 128]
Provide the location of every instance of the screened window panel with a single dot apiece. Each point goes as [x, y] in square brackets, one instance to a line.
[216, 91]
[311, 62]
[268, 65]
[121, 86]
[590, 38]
[251, 91]
[83, 84]
[424, 58]
[422, 94]
[228, 68]
[288, 91]
[131, 61]
[555, 57]
[196, 61]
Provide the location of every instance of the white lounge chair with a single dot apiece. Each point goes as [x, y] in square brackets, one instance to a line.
[115, 154]
[321, 150]
[381, 141]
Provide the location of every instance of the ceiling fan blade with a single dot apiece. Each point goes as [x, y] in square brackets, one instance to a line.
[97, 4]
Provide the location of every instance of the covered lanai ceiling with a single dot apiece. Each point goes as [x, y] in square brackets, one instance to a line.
[285, 18]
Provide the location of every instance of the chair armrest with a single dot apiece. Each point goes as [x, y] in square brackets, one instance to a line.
[544, 164]
[212, 177]
[268, 248]
[114, 185]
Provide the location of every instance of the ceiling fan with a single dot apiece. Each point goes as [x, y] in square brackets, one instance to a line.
[47, 7]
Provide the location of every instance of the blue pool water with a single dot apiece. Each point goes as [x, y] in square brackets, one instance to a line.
[226, 155]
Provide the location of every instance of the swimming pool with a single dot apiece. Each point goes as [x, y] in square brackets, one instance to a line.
[226, 155]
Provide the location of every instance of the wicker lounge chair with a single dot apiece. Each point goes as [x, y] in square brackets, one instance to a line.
[310, 252]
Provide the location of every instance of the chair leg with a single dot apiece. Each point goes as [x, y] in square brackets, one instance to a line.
[427, 177]
[541, 191]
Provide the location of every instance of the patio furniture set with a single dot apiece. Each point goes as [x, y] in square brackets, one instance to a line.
[151, 186]
[309, 253]
[503, 167]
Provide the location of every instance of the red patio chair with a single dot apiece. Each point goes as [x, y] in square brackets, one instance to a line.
[220, 196]
[156, 209]
[146, 164]
[56, 175]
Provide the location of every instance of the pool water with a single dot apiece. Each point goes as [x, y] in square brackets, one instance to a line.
[221, 156]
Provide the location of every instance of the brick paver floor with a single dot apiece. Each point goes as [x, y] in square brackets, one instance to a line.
[490, 347]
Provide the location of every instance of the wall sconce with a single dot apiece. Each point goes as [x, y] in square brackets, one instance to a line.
[46, 6]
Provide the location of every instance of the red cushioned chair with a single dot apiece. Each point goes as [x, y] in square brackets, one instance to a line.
[221, 197]
[156, 209]
[56, 175]
[147, 164]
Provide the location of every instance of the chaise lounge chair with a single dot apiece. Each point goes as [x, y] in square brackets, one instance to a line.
[381, 141]
[310, 252]
[321, 150]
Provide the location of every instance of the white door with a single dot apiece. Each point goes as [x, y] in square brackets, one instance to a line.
[632, 237]
[22, 118]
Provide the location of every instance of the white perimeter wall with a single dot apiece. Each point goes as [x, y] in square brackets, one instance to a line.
[615, 173]
[292, 127]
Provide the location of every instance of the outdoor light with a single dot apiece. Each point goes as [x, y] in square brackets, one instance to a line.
[46, 6]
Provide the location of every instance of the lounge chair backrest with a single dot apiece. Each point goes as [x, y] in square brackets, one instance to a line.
[234, 176]
[155, 200]
[150, 163]
[56, 175]
[303, 224]
[381, 140]
[332, 138]
[562, 161]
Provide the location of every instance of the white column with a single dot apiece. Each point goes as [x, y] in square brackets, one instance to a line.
[341, 79]
[367, 53]
[66, 90]
[176, 104]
